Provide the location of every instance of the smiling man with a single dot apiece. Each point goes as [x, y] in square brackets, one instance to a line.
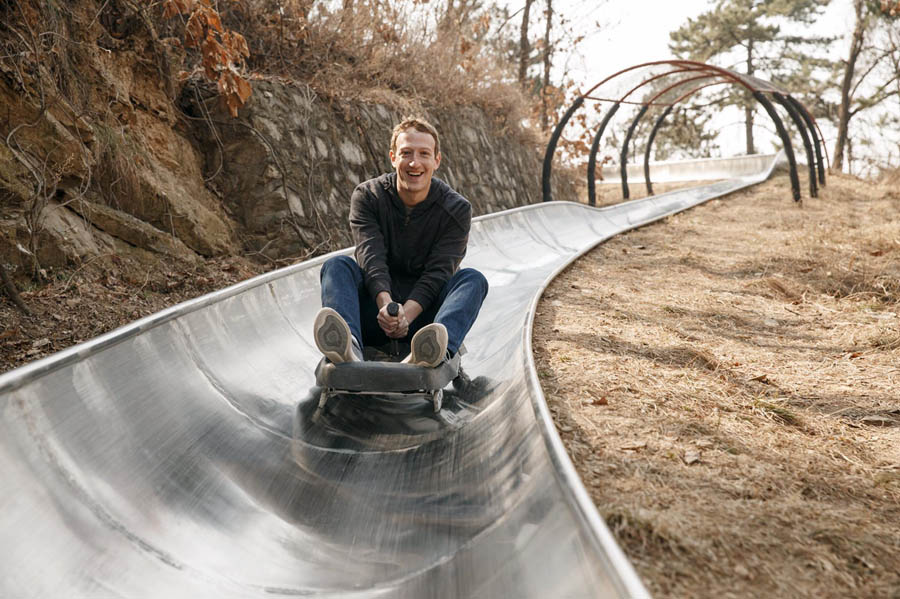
[411, 230]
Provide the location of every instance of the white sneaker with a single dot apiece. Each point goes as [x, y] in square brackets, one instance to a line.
[429, 345]
[333, 337]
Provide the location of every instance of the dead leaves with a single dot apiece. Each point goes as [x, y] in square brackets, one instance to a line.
[222, 50]
[691, 456]
[633, 446]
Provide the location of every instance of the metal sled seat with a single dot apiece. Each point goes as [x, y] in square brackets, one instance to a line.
[386, 378]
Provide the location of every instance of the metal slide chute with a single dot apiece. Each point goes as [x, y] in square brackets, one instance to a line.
[186, 455]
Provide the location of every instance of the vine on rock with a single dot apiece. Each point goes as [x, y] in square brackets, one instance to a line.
[222, 50]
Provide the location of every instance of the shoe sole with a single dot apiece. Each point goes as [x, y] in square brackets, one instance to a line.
[332, 336]
[429, 346]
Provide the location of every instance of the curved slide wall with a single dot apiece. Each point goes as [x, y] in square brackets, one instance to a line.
[702, 169]
[183, 455]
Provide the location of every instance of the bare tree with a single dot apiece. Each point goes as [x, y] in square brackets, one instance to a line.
[548, 50]
[524, 44]
[868, 19]
[856, 42]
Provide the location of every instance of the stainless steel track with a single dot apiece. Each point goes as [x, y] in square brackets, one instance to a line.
[701, 169]
[183, 455]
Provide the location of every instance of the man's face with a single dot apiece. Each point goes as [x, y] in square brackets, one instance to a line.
[415, 162]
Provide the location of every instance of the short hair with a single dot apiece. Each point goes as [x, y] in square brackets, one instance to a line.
[419, 124]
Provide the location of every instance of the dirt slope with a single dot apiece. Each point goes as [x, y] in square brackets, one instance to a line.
[726, 382]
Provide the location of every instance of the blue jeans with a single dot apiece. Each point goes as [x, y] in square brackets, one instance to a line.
[456, 307]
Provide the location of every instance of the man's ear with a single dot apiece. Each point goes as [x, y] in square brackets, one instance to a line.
[437, 161]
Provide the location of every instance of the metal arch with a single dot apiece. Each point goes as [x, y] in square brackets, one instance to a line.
[546, 185]
[821, 137]
[660, 76]
[755, 85]
[663, 116]
[623, 158]
[813, 128]
[551, 149]
[800, 124]
[656, 126]
[752, 84]
[785, 139]
[592, 159]
[592, 192]
[659, 123]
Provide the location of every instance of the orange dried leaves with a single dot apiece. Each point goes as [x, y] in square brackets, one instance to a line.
[222, 51]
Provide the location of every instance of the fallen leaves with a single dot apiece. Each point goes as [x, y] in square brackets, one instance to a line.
[879, 420]
[691, 456]
[633, 446]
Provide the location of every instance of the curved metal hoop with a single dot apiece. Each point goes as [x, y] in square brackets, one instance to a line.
[800, 116]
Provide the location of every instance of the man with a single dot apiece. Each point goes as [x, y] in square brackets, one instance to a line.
[411, 232]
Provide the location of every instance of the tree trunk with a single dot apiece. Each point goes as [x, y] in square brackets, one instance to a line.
[748, 108]
[446, 21]
[524, 46]
[837, 161]
[545, 88]
[849, 156]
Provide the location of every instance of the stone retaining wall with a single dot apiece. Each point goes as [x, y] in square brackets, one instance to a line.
[287, 166]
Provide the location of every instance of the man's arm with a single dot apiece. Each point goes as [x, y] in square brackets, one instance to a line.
[371, 255]
[371, 252]
[443, 259]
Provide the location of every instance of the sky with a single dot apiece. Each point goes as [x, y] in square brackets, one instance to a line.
[634, 32]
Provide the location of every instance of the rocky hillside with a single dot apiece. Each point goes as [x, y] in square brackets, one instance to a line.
[113, 156]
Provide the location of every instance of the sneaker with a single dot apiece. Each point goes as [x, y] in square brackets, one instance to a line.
[429, 345]
[333, 337]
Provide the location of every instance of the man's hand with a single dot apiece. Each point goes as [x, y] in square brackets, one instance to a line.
[395, 327]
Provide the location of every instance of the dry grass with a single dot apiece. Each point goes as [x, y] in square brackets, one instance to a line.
[408, 54]
[726, 384]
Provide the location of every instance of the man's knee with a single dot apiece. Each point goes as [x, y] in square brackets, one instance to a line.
[339, 262]
[472, 277]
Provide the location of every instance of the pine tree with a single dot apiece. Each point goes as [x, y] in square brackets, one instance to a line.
[755, 35]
